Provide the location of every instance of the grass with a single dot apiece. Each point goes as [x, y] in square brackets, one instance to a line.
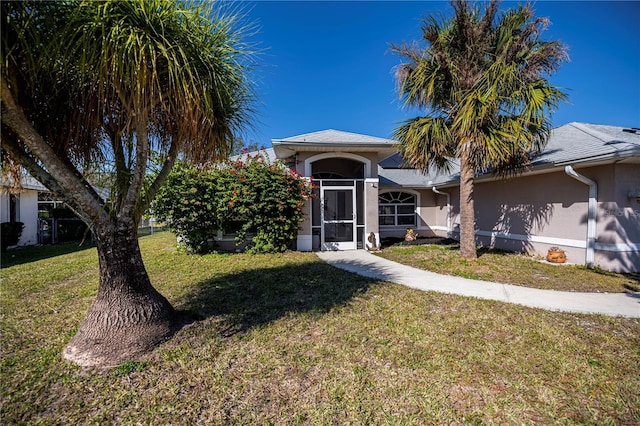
[286, 339]
[30, 254]
[443, 257]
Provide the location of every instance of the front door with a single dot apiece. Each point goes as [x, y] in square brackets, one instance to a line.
[338, 219]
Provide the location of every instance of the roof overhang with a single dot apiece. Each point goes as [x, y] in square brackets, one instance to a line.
[333, 141]
[453, 180]
[287, 149]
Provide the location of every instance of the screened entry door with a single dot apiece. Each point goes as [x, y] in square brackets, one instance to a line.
[338, 219]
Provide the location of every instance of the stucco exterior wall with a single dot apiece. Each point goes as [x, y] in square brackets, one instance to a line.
[371, 206]
[434, 217]
[533, 213]
[618, 220]
[27, 213]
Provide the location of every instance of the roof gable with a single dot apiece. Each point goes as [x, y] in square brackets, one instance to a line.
[332, 140]
[336, 137]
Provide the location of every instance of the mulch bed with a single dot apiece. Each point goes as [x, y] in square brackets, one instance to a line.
[394, 241]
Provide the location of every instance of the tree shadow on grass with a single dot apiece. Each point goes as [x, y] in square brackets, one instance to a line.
[633, 284]
[21, 255]
[449, 243]
[255, 297]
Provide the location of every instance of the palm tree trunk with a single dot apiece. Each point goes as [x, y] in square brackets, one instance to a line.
[467, 210]
[129, 317]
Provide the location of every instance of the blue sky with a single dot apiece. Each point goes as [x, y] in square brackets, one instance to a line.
[326, 65]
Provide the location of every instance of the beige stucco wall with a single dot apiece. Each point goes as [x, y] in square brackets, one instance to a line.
[619, 214]
[618, 242]
[371, 206]
[431, 214]
[533, 213]
[433, 217]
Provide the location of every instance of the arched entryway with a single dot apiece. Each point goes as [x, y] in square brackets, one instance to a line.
[337, 211]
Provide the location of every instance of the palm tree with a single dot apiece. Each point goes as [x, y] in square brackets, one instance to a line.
[90, 84]
[481, 79]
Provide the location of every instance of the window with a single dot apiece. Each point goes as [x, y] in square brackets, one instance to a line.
[327, 175]
[397, 209]
[14, 208]
[47, 203]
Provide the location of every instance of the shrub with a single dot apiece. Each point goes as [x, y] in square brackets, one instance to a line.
[11, 232]
[187, 203]
[267, 201]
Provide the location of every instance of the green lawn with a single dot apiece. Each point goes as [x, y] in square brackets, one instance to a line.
[286, 339]
[509, 268]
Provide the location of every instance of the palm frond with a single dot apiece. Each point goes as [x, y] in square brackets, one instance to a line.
[484, 75]
[425, 143]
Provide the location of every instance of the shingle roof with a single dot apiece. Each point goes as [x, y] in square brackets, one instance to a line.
[573, 143]
[581, 142]
[331, 136]
[334, 140]
[267, 153]
[27, 182]
[392, 172]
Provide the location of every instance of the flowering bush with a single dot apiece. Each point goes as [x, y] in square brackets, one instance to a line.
[187, 201]
[267, 201]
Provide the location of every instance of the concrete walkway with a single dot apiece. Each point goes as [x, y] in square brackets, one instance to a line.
[369, 265]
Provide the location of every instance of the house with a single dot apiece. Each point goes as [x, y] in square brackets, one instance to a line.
[22, 206]
[46, 220]
[581, 194]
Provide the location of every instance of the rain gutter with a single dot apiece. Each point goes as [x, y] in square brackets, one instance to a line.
[591, 213]
[434, 189]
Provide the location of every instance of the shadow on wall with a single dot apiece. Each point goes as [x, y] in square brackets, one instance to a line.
[522, 219]
[619, 227]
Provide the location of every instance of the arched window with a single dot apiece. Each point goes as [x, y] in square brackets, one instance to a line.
[397, 209]
[327, 175]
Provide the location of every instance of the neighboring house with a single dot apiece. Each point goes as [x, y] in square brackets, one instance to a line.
[22, 206]
[46, 220]
[582, 194]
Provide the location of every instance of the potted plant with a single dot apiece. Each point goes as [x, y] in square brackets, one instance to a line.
[556, 255]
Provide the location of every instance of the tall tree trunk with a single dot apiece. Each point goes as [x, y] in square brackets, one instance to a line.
[129, 317]
[467, 210]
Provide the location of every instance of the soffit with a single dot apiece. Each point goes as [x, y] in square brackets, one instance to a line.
[333, 140]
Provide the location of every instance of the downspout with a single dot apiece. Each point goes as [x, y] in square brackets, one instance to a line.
[434, 189]
[591, 213]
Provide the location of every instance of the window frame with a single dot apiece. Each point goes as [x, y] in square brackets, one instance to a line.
[395, 200]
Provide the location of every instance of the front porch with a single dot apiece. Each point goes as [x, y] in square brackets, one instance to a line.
[343, 166]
